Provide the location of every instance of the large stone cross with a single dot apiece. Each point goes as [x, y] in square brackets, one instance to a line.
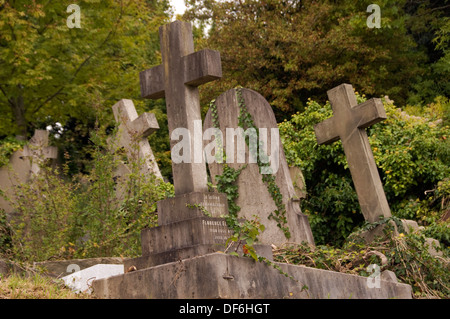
[348, 124]
[133, 133]
[177, 78]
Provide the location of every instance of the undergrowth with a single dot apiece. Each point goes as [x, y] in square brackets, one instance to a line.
[405, 254]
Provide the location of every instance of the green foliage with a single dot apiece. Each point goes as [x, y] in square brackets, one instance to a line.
[49, 70]
[412, 154]
[7, 147]
[44, 210]
[5, 235]
[291, 50]
[59, 217]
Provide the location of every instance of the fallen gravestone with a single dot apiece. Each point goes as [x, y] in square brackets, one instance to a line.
[62, 268]
[80, 281]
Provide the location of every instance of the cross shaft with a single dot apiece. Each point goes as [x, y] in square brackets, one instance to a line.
[348, 124]
[177, 78]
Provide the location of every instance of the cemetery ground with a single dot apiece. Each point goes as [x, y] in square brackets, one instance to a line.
[403, 255]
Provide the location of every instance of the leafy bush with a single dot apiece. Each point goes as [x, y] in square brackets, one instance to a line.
[8, 146]
[411, 152]
[80, 217]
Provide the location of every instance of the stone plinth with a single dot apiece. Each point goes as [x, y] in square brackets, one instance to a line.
[186, 231]
[191, 205]
[219, 275]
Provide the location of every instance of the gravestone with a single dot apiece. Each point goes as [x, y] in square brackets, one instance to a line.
[298, 180]
[132, 136]
[176, 79]
[23, 165]
[80, 281]
[179, 218]
[181, 257]
[254, 196]
[348, 124]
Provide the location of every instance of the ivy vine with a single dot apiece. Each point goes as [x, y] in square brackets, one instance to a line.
[245, 122]
[245, 231]
[226, 182]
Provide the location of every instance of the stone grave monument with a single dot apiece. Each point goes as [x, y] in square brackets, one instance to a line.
[254, 196]
[180, 257]
[132, 135]
[348, 124]
[24, 164]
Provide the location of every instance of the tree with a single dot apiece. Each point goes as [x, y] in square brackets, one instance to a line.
[50, 72]
[293, 50]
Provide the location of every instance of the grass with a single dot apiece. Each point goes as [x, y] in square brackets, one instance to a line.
[36, 287]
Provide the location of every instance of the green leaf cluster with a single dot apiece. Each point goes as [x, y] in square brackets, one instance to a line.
[50, 72]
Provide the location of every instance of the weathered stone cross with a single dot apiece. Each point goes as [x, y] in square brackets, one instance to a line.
[177, 79]
[38, 150]
[133, 133]
[348, 124]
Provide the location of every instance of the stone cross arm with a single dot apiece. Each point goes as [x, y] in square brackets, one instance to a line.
[142, 126]
[177, 79]
[343, 102]
[197, 68]
[39, 146]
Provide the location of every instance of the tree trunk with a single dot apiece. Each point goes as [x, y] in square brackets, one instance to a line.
[18, 109]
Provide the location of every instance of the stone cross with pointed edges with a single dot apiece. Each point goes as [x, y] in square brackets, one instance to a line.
[348, 124]
[38, 150]
[133, 133]
[177, 78]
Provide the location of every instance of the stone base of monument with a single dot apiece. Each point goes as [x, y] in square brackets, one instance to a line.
[184, 258]
[219, 275]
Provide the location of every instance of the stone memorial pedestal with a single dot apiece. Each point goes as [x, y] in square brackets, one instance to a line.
[184, 258]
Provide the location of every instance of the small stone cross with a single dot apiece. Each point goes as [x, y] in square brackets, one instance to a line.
[38, 150]
[133, 133]
[348, 124]
[177, 78]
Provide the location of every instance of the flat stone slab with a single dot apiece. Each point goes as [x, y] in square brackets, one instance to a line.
[80, 281]
[61, 268]
[219, 275]
[190, 252]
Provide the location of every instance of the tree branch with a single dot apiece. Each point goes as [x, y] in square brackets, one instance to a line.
[8, 99]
